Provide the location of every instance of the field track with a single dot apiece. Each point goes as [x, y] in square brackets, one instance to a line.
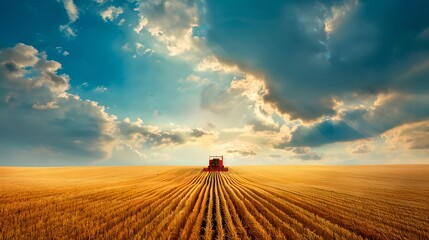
[280, 202]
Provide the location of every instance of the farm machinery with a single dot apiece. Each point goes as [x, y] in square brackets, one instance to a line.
[215, 164]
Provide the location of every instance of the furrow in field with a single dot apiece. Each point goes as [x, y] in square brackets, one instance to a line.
[131, 209]
[148, 213]
[220, 218]
[307, 218]
[164, 229]
[191, 219]
[237, 220]
[159, 209]
[208, 218]
[195, 233]
[261, 214]
[182, 216]
[228, 225]
[253, 227]
[284, 224]
[371, 215]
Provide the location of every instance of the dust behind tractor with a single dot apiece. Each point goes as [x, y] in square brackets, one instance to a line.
[215, 164]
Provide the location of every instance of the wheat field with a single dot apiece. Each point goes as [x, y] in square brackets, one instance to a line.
[264, 202]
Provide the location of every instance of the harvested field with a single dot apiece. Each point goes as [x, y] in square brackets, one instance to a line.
[268, 202]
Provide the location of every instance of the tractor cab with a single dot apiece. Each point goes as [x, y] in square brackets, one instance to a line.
[215, 164]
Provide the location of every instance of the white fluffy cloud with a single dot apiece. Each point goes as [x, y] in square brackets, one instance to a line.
[142, 23]
[157, 17]
[71, 9]
[111, 13]
[212, 64]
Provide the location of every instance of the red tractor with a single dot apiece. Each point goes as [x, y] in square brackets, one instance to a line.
[215, 164]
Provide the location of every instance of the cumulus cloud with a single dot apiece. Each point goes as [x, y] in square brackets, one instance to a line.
[312, 53]
[156, 17]
[247, 93]
[111, 13]
[38, 112]
[71, 9]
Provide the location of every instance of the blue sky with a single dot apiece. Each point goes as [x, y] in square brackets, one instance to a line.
[110, 82]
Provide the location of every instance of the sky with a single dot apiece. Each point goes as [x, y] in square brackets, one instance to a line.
[170, 82]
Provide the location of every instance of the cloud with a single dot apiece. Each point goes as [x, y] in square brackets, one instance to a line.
[111, 13]
[389, 111]
[100, 89]
[242, 152]
[304, 153]
[37, 111]
[310, 156]
[157, 18]
[142, 23]
[237, 148]
[62, 51]
[192, 81]
[408, 136]
[216, 99]
[71, 9]
[212, 64]
[137, 134]
[364, 147]
[121, 22]
[68, 31]
[311, 53]
[197, 80]
[40, 115]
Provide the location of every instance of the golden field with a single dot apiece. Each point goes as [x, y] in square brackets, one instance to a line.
[265, 202]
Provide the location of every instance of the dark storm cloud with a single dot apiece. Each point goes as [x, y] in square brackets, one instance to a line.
[376, 46]
[329, 131]
[393, 111]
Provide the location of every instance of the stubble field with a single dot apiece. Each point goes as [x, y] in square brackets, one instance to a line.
[268, 202]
